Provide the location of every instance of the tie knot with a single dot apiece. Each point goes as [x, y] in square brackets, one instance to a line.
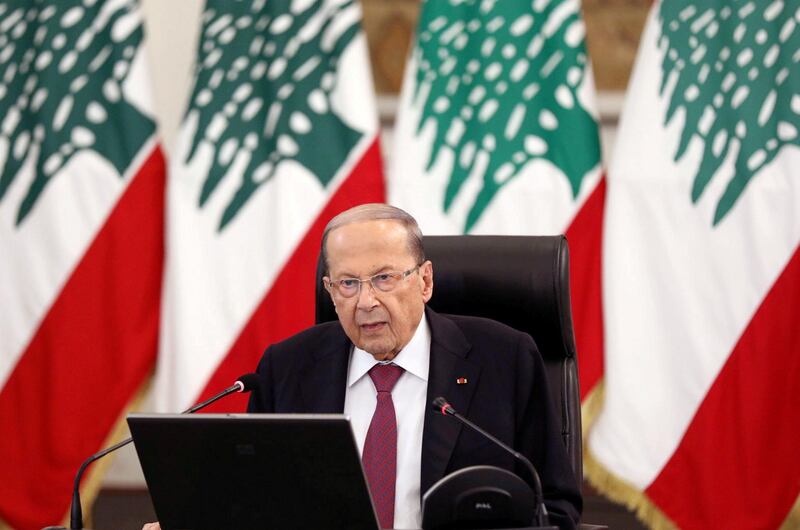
[385, 376]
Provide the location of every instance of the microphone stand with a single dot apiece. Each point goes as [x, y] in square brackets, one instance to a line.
[243, 384]
[542, 519]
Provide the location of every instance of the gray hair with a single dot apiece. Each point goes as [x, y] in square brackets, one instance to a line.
[373, 212]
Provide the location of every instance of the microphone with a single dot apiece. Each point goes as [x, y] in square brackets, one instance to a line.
[441, 406]
[245, 383]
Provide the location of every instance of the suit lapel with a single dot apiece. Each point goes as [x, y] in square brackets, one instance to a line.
[323, 380]
[449, 363]
[323, 383]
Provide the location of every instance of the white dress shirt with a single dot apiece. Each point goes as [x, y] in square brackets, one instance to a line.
[409, 396]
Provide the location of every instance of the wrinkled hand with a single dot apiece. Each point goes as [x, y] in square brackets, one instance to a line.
[152, 526]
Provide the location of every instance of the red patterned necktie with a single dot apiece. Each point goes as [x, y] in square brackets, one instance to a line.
[380, 447]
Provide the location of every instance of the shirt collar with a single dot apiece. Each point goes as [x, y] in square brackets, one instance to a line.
[414, 358]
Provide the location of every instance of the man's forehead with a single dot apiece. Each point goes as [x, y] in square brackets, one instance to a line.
[369, 225]
[378, 234]
[376, 241]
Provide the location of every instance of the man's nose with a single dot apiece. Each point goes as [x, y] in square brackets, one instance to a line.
[366, 296]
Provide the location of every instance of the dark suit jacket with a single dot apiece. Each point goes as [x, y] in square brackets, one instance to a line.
[506, 394]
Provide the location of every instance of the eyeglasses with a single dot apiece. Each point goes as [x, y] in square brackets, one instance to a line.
[384, 282]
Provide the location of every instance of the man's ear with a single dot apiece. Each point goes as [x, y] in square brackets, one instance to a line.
[326, 282]
[426, 274]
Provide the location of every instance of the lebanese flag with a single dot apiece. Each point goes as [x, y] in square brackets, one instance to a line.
[281, 135]
[81, 237]
[497, 134]
[702, 273]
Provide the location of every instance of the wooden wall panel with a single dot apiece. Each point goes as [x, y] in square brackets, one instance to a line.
[613, 31]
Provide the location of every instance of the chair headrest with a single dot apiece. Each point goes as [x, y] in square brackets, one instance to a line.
[522, 281]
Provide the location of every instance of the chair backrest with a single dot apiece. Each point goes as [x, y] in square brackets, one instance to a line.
[522, 281]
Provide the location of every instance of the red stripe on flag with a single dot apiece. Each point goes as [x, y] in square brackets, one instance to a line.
[585, 236]
[92, 351]
[289, 306]
[737, 465]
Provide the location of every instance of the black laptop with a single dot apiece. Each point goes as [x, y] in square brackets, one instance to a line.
[253, 471]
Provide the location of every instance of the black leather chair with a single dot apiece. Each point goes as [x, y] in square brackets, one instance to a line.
[522, 281]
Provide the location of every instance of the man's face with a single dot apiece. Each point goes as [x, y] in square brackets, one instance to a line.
[380, 323]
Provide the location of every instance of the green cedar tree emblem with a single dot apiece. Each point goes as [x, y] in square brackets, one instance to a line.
[265, 76]
[733, 69]
[62, 67]
[500, 80]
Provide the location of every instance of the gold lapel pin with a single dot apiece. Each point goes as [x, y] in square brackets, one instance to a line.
[461, 381]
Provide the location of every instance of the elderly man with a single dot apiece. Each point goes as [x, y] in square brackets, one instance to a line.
[389, 355]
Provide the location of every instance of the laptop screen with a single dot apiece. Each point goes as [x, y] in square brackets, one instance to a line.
[243, 471]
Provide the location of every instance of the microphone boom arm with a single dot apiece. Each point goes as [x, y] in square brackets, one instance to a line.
[441, 405]
[243, 384]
